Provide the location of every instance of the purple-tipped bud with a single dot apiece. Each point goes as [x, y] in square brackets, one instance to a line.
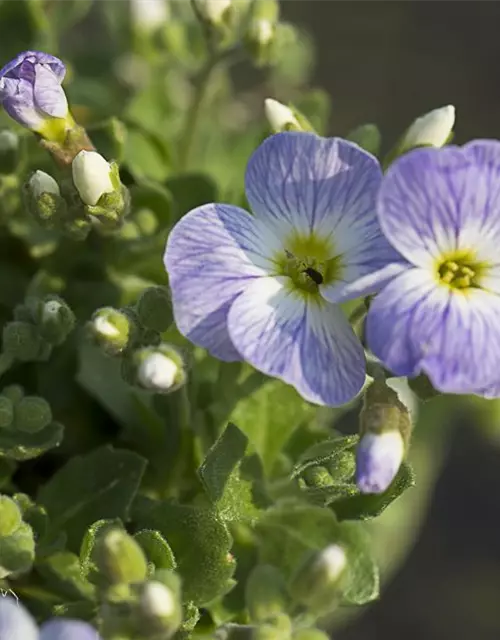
[378, 458]
[31, 92]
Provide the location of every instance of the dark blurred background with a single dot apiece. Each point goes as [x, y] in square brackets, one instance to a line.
[387, 63]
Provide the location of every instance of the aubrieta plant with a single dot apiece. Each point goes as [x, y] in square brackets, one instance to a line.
[224, 334]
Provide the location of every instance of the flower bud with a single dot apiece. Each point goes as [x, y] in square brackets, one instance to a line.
[213, 12]
[432, 129]
[154, 309]
[119, 558]
[160, 369]
[148, 15]
[6, 412]
[41, 182]
[9, 152]
[10, 517]
[318, 580]
[111, 330]
[261, 29]
[91, 176]
[385, 429]
[378, 458]
[32, 414]
[266, 595]
[56, 320]
[43, 200]
[280, 117]
[160, 608]
[21, 341]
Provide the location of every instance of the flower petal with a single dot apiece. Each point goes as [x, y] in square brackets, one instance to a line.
[415, 325]
[49, 95]
[433, 201]
[16, 623]
[212, 254]
[59, 629]
[12, 68]
[309, 345]
[302, 182]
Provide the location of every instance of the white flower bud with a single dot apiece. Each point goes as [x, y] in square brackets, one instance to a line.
[91, 176]
[433, 128]
[263, 31]
[157, 600]
[158, 371]
[149, 14]
[213, 10]
[104, 327]
[378, 458]
[9, 141]
[41, 182]
[280, 117]
[334, 561]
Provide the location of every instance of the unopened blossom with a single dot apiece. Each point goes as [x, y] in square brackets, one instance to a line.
[432, 129]
[378, 458]
[31, 92]
[41, 182]
[16, 623]
[266, 287]
[280, 117]
[439, 311]
[91, 176]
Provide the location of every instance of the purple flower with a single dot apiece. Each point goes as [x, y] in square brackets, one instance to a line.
[439, 313]
[266, 287]
[16, 623]
[30, 89]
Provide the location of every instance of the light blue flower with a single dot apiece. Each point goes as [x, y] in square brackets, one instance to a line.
[31, 92]
[266, 287]
[16, 623]
[439, 312]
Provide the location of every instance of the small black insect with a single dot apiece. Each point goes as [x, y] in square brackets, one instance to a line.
[315, 276]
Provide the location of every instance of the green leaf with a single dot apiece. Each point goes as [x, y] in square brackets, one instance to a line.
[63, 574]
[269, 416]
[155, 197]
[190, 191]
[145, 155]
[365, 506]
[221, 476]
[200, 542]
[20, 445]
[323, 453]
[88, 488]
[156, 549]
[290, 531]
[89, 569]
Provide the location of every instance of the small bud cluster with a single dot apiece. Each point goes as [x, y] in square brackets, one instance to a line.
[17, 544]
[134, 334]
[29, 414]
[136, 599]
[39, 325]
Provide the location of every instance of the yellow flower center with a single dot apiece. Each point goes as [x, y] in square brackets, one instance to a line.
[460, 271]
[309, 261]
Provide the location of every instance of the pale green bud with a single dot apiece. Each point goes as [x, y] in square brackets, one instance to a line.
[154, 309]
[160, 369]
[266, 594]
[148, 15]
[432, 129]
[21, 341]
[32, 414]
[6, 412]
[280, 117]
[160, 608]
[56, 320]
[9, 152]
[261, 30]
[41, 182]
[213, 11]
[119, 558]
[318, 580]
[111, 329]
[14, 393]
[91, 176]
[10, 516]
[42, 197]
